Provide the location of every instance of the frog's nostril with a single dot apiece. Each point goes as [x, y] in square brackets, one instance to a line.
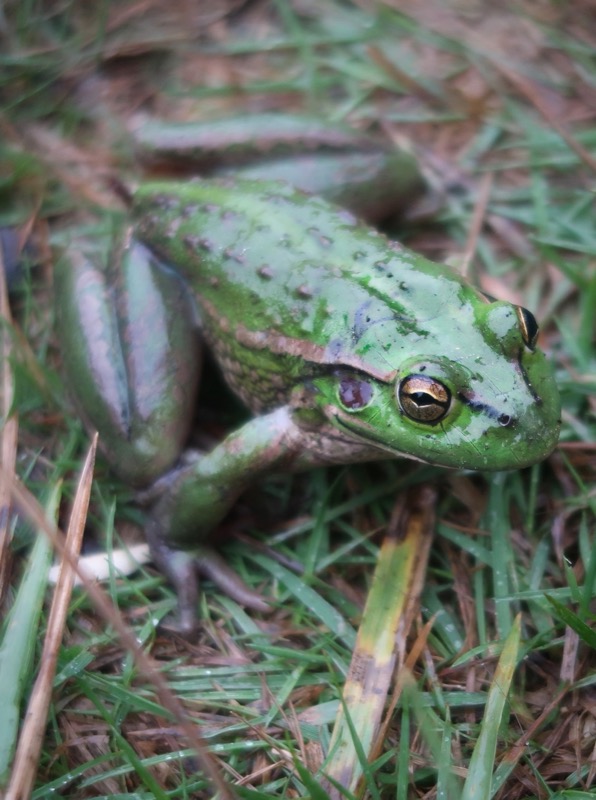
[506, 420]
[478, 405]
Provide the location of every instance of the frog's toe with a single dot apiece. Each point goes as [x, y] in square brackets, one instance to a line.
[181, 624]
[182, 568]
[212, 566]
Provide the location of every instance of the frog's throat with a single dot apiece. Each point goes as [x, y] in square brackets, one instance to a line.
[361, 432]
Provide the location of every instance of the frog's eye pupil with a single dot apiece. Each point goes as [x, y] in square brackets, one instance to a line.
[528, 325]
[424, 399]
[354, 393]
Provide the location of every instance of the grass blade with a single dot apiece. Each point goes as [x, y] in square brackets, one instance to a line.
[32, 732]
[395, 590]
[479, 780]
[20, 635]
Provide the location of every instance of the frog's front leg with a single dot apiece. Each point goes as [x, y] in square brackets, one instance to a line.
[194, 498]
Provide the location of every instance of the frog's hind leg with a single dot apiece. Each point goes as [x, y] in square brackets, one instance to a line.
[182, 568]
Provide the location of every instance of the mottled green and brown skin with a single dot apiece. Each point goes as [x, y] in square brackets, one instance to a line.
[346, 347]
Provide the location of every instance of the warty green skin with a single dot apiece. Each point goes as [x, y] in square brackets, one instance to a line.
[296, 298]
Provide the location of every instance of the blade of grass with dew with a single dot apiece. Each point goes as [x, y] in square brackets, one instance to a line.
[20, 636]
[480, 773]
[395, 590]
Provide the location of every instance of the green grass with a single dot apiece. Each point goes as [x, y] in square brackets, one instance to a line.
[511, 578]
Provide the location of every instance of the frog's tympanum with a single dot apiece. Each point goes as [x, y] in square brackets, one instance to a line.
[345, 346]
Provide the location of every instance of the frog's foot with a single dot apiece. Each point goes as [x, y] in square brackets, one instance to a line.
[182, 568]
[210, 564]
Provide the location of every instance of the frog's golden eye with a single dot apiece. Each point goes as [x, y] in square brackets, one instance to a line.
[354, 393]
[424, 399]
[528, 325]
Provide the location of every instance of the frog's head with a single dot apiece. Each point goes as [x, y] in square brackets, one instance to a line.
[469, 390]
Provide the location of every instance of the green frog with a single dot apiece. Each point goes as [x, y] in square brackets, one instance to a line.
[345, 346]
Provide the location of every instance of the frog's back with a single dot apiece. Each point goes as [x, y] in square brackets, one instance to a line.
[284, 278]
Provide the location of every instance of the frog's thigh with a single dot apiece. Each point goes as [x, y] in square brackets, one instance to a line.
[131, 355]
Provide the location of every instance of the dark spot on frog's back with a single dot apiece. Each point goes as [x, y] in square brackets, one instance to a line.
[229, 215]
[172, 228]
[319, 237]
[196, 244]
[148, 223]
[167, 202]
[304, 292]
[361, 321]
[235, 255]
[265, 272]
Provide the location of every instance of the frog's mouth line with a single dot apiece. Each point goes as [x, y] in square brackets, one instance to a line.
[368, 437]
[374, 441]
